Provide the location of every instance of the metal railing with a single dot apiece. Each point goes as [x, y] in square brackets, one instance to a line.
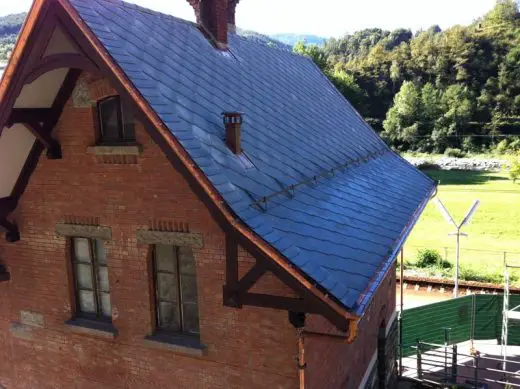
[444, 365]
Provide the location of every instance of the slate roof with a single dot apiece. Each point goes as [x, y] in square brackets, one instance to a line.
[342, 229]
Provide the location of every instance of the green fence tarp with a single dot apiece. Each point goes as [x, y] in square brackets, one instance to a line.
[476, 317]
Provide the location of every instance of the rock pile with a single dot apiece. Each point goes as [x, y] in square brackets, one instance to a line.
[449, 163]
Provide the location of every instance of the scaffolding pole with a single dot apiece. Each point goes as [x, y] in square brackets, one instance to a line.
[507, 313]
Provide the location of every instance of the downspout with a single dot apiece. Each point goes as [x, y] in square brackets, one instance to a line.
[297, 319]
[301, 357]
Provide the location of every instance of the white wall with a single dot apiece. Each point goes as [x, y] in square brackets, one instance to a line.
[15, 144]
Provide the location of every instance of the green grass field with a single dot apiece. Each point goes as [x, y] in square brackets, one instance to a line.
[494, 229]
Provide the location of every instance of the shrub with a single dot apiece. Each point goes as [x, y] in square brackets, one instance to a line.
[514, 170]
[502, 147]
[427, 165]
[514, 146]
[507, 147]
[454, 153]
[428, 258]
[470, 145]
[470, 274]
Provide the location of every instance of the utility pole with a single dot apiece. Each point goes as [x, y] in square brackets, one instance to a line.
[458, 234]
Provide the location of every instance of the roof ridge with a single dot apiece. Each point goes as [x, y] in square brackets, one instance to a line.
[149, 11]
[290, 188]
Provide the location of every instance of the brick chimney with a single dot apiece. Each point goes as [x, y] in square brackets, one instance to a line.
[233, 124]
[216, 18]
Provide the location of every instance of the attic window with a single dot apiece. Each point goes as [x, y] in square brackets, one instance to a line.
[115, 122]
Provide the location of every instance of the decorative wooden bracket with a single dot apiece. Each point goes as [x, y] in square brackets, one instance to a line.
[12, 234]
[236, 291]
[4, 274]
[7, 205]
[36, 120]
[60, 61]
[29, 115]
[51, 145]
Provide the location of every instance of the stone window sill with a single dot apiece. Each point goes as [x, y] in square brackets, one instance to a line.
[99, 329]
[122, 149]
[182, 344]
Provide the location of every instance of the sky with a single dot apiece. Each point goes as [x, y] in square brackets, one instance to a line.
[327, 18]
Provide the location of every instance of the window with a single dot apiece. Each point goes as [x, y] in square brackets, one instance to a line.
[91, 279]
[175, 290]
[115, 121]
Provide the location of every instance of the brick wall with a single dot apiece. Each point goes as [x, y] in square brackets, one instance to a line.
[342, 366]
[247, 348]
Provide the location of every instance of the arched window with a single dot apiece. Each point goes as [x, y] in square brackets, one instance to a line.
[116, 124]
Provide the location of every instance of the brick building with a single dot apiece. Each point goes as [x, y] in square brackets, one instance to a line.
[186, 208]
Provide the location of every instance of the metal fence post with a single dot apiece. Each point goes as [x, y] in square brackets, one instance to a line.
[454, 364]
[446, 342]
[475, 365]
[419, 360]
[473, 318]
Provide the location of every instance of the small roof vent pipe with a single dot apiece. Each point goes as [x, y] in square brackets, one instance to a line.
[233, 124]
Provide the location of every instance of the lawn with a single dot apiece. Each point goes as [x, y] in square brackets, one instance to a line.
[494, 229]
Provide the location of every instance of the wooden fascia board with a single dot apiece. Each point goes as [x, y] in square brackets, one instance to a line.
[187, 166]
[29, 47]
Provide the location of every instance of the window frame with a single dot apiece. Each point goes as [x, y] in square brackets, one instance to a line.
[180, 302]
[123, 128]
[94, 265]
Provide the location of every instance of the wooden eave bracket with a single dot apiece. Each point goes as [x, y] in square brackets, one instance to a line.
[7, 205]
[12, 234]
[236, 293]
[29, 115]
[4, 274]
[52, 146]
[36, 120]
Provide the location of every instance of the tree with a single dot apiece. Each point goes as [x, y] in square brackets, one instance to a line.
[431, 103]
[403, 119]
[313, 52]
[514, 170]
[509, 82]
[347, 85]
[457, 107]
[505, 12]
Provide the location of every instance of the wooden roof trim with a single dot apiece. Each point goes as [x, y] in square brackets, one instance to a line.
[60, 61]
[27, 28]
